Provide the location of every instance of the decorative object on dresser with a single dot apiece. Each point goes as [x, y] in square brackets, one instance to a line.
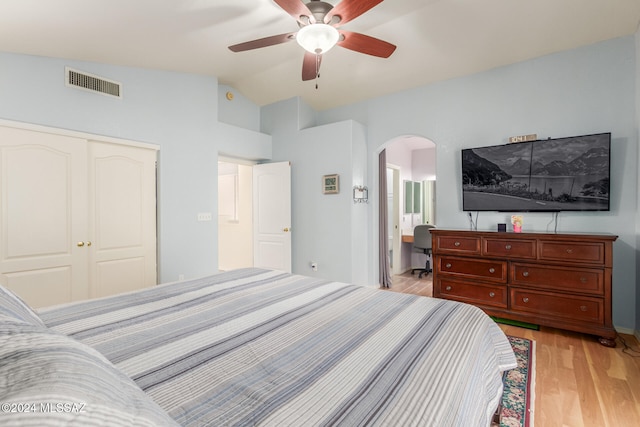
[551, 279]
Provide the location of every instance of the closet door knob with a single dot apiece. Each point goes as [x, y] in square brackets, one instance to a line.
[79, 244]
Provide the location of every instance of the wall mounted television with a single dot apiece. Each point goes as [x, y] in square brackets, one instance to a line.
[550, 175]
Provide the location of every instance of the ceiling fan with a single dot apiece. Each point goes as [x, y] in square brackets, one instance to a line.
[319, 32]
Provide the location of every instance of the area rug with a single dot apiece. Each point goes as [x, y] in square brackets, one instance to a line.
[519, 385]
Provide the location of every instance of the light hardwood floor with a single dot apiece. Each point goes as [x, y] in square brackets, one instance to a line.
[578, 381]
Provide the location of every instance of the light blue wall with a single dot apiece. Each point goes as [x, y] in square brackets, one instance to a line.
[582, 91]
[326, 228]
[237, 111]
[586, 90]
[178, 112]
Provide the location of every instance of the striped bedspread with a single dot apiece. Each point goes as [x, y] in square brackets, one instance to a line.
[259, 347]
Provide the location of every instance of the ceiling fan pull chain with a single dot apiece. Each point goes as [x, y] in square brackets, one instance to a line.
[317, 69]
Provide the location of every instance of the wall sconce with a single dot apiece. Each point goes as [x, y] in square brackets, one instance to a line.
[360, 194]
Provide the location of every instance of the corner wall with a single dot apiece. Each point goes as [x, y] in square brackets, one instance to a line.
[176, 111]
[582, 91]
[328, 229]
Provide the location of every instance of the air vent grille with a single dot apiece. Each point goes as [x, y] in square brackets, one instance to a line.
[82, 80]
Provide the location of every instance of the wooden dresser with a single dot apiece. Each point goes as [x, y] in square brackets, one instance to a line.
[550, 279]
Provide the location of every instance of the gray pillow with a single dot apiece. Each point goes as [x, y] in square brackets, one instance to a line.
[49, 379]
[12, 306]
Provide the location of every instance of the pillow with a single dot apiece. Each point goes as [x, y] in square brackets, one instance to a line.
[49, 379]
[12, 306]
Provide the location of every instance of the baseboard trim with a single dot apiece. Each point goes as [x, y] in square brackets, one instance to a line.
[628, 331]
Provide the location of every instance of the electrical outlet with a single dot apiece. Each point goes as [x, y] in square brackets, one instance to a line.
[314, 266]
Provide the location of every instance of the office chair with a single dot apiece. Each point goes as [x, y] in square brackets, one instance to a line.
[422, 244]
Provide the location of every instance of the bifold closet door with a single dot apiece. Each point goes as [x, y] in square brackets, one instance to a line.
[78, 217]
[122, 218]
[43, 216]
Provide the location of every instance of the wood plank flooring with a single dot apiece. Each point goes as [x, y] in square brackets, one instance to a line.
[578, 381]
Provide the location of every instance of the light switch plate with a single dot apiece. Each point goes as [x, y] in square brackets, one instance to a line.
[205, 216]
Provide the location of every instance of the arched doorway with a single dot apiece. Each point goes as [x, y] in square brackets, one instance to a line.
[410, 182]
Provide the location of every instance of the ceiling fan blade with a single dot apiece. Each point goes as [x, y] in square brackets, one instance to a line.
[310, 66]
[297, 10]
[366, 44]
[350, 9]
[264, 42]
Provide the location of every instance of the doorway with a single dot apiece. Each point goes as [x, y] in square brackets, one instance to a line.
[235, 214]
[412, 160]
[254, 215]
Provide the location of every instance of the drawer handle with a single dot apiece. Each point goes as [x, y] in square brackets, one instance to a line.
[569, 251]
[583, 280]
[448, 288]
[525, 273]
[583, 308]
[492, 294]
[525, 299]
[448, 265]
[492, 270]
[508, 247]
[456, 244]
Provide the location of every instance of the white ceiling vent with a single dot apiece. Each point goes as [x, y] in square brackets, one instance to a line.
[92, 83]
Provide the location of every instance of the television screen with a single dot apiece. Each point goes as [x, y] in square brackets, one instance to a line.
[563, 174]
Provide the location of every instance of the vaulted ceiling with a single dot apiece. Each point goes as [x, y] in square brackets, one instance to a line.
[435, 39]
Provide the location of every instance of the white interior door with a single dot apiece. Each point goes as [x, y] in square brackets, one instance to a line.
[122, 218]
[43, 205]
[272, 216]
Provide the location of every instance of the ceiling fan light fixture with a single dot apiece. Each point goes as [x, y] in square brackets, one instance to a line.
[317, 38]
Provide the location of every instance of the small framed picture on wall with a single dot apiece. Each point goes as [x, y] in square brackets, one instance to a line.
[331, 184]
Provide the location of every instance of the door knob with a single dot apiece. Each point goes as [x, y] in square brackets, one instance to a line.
[286, 229]
[80, 243]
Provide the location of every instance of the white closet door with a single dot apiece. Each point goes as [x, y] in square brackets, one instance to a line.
[43, 207]
[122, 218]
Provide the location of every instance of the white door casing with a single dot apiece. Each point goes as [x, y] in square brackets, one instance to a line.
[272, 216]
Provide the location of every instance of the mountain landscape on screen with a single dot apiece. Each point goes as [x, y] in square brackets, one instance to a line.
[544, 175]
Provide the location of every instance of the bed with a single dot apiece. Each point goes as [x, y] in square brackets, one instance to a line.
[251, 347]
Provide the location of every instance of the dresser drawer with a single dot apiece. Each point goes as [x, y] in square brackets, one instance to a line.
[545, 304]
[575, 252]
[509, 248]
[490, 295]
[570, 279]
[458, 244]
[483, 269]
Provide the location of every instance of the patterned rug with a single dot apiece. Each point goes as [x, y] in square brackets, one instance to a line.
[519, 386]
